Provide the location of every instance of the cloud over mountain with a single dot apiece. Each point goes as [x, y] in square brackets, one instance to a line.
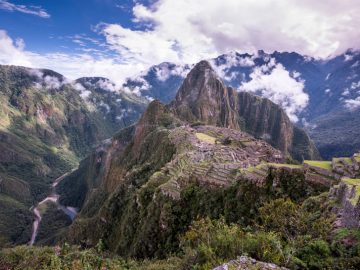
[273, 81]
[204, 29]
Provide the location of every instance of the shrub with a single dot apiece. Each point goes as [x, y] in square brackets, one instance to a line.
[211, 242]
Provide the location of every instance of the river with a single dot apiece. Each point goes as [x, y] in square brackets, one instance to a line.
[53, 197]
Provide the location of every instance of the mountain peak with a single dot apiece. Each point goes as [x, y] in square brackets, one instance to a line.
[204, 98]
[203, 65]
[200, 95]
[201, 82]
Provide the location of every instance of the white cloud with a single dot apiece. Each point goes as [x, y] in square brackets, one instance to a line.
[273, 81]
[206, 28]
[47, 81]
[105, 106]
[230, 60]
[346, 92]
[355, 85]
[32, 10]
[164, 71]
[352, 104]
[106, 85]
[72, 66]
[12, 53]
[355, 64]
[348, 57]
[308, 125]
[84, 94]
[52, 82]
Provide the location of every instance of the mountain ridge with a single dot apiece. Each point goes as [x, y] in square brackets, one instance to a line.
[324, 82]
[46, 127]
[203, 97]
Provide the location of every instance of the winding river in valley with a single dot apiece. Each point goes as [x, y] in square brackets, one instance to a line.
[71, 212]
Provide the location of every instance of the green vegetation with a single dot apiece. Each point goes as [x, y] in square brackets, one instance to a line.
[321, 164]
[206, 138]
[286, 233]
[343, 159]
[291, 166]
[209, 243]
[289, 234]
[45, 133]
[67, 257]
[255, 168]
[136, 218]
[15, 221]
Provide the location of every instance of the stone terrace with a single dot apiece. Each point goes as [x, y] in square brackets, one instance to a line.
[212, 156]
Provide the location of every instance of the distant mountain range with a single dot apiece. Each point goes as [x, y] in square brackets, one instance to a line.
[321, 95]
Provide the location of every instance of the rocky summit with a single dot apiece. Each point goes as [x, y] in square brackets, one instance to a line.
[204, 98]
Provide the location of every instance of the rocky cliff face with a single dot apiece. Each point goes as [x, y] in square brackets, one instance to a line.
[204, 98]
[347, 192]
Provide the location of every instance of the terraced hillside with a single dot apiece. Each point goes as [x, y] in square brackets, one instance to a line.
[347, 192]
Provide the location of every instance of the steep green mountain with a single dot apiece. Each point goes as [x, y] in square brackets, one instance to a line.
[203, 97]
[140, 191]
[145, 188]
[210, 194]
[47, 124]
[118, 108]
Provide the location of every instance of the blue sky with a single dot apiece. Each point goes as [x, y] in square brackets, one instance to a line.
[120, 38]
[68, 19]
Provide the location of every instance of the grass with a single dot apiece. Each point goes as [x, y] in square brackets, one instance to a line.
[292, 166]
[356, 183]
[70, 257]
[255, 169]
[347, 160]
[320, 164]
[205, 138]
[344, 232]
[262, 166]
